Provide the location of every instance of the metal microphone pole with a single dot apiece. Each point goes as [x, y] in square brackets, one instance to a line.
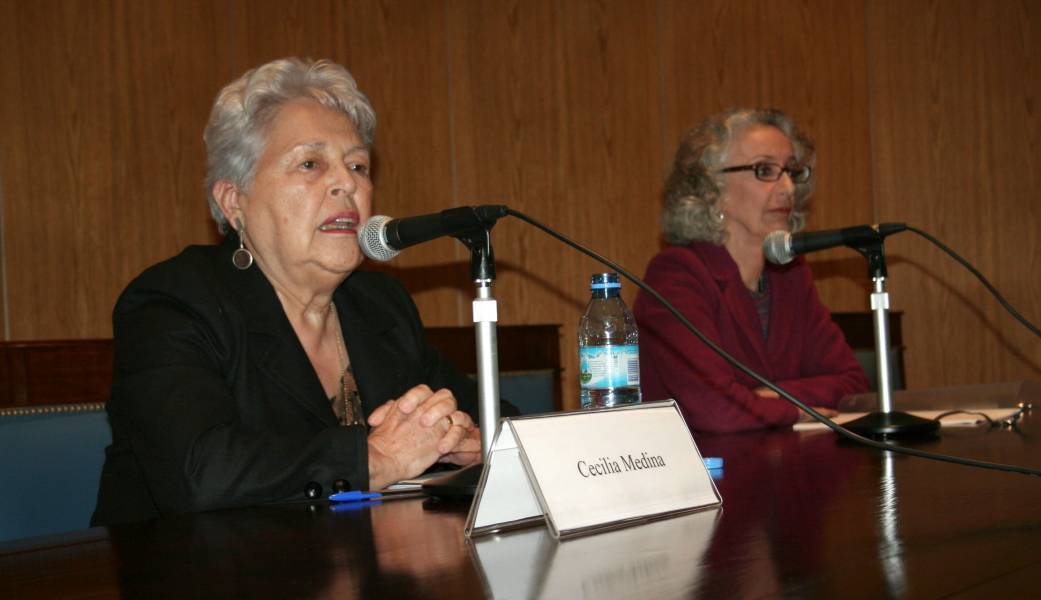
[886, 422]
[485, 316]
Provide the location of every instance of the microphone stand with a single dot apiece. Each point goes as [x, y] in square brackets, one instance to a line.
[485, 316]
[463, 483]
[886, 422]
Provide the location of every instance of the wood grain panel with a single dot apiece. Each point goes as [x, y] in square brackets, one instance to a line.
[256, 32]
[567, 110]
[34, 374]
[806, 58]
[403, 53]
[104, 156]
[956, 134]
[554, 106]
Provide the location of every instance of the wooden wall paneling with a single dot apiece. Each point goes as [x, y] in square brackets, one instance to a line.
[46, 209]
[256, 32]
[567, 110]
[806, 58]
[94, 177]
[555, 113]
[396, 52]
[402, 48]
[59, 372]
[956, 133]
[166, 76]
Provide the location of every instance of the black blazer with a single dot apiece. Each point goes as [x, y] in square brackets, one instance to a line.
[215, 403]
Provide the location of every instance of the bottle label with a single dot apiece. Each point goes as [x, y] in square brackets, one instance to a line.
[603, 367]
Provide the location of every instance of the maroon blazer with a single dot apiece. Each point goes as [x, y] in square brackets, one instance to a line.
[805, 353]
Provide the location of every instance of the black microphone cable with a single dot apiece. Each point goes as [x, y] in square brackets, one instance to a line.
[990, 288]
[759, 378]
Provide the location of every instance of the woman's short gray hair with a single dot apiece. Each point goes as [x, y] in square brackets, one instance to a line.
[695, 186]
[236, 133]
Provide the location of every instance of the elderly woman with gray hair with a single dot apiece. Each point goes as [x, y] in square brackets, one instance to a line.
[737, 177]
[266, 369]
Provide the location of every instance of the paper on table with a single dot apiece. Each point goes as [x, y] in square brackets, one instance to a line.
[956, 420]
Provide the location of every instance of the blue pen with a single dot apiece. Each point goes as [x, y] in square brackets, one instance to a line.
[353, 496]
[353, 506]
[713, 462]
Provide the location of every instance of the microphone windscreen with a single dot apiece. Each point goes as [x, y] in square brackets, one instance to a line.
[777, 247]
[372, 238]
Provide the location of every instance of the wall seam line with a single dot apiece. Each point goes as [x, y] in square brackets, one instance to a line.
[3, 267]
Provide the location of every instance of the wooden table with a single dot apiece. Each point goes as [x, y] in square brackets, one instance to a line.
[803, 516]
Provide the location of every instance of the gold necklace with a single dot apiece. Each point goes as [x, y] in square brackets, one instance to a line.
[348, 390]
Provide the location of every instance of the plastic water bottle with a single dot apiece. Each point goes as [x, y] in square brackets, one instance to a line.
[608, 347]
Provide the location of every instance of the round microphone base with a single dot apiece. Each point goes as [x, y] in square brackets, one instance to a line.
[893, 424]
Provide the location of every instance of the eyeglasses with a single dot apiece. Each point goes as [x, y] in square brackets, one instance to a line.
[767, 171]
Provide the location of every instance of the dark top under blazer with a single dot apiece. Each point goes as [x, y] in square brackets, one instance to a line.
[215, 403]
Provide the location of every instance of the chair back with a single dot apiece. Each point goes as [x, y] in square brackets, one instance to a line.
[50, 468]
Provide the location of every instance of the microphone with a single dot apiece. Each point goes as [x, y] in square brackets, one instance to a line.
[382, 238]
[780, 247]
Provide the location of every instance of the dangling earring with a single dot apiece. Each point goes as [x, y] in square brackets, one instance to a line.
[241, 258]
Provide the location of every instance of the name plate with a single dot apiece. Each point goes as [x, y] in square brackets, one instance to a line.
[585, 471]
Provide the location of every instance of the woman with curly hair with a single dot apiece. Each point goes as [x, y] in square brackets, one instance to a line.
[737, 177]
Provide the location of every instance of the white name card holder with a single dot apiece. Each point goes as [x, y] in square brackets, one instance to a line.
[587, 471]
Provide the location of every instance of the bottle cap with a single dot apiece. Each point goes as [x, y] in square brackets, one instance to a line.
[604, 281]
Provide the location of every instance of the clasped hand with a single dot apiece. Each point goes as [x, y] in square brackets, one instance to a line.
[415, 431]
